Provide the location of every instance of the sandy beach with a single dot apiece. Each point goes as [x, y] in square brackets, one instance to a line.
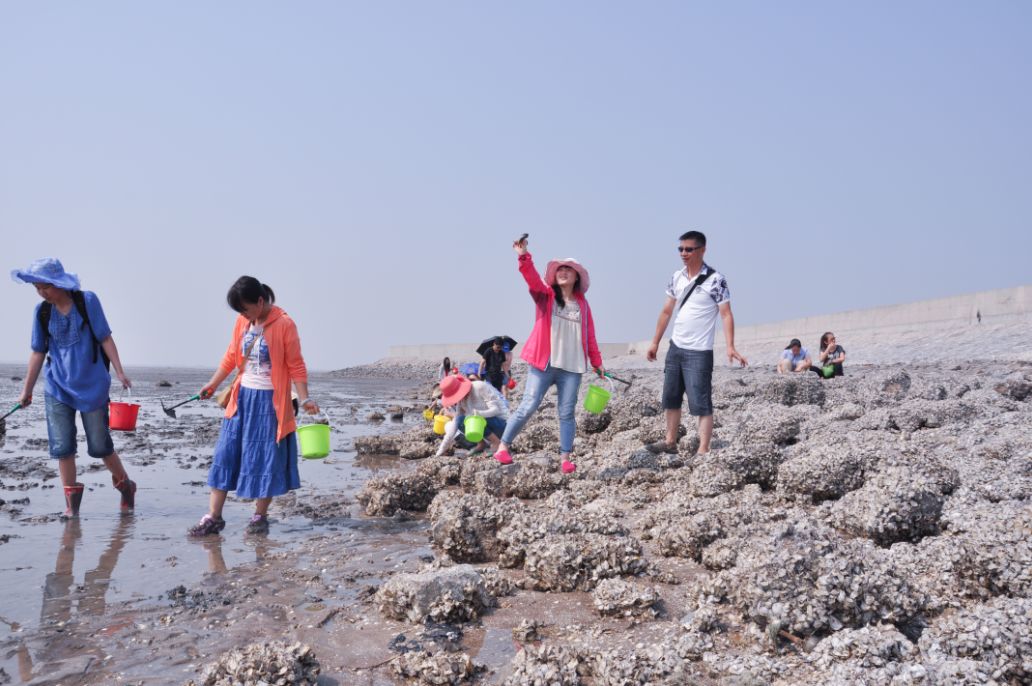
[870, 529]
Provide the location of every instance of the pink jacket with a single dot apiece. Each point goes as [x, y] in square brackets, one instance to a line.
[537, 351]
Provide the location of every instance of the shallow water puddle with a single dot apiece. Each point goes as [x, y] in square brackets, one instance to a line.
[75, 584]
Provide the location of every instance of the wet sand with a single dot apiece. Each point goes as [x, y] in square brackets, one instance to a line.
[89, 600]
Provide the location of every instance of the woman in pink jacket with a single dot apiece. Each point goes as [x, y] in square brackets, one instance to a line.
[559, 350]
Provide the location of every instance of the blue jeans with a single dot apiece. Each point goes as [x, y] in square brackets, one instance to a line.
[61, 430]
[538, 382]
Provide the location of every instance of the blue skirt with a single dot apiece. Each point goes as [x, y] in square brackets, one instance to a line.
[248, 459]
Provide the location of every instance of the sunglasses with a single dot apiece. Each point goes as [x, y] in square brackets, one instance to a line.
[689, 250]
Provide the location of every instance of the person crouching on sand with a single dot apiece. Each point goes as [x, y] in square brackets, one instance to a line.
[256, 453]
[71, 333]
[559, 349]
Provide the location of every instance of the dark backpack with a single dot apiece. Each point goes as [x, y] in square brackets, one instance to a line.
[79, 299]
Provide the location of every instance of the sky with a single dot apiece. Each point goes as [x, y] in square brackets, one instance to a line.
[373, 162]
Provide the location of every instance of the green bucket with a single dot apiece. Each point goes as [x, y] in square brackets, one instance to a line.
[474, 427]
[597, 398]
[828, 371]
[314, 440]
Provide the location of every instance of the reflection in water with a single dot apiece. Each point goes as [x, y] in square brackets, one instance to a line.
[57, 596]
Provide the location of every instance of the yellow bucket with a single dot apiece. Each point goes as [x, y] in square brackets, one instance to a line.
[439, 422]
[428, 414]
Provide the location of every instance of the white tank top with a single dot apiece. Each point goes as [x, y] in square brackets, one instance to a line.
[257, 373]
[567, 341]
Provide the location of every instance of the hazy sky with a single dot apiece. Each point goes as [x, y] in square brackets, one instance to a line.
[373, 161]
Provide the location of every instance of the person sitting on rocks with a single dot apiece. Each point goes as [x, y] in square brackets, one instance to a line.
[831, 355]
[795, 358]
[466, 397]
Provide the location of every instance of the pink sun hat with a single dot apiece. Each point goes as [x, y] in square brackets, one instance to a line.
[554, 265]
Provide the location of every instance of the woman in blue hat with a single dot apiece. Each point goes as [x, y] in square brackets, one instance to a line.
[71, 335]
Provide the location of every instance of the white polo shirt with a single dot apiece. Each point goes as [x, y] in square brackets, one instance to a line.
[695, 325]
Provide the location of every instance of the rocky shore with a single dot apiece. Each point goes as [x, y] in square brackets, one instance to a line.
[875, 528]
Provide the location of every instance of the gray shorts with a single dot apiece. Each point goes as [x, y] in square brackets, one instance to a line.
[691, 372]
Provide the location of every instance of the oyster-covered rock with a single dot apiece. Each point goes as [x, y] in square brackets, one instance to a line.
[616, 597]
[384, 496]
[580, 561]
[465, 527]
[437, 668]
[452, 594]
[275, 664]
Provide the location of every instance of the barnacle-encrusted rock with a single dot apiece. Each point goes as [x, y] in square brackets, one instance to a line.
[995, 547]
[869, 647]
[496, 582]
[437, 668]
[821, 473]
[894, 505]
[547, 665]
[616, 597]
[452, 594]
[275, 664]
[524, 530]
[414, 444]
[386, 495]
[529, 477]
[1015, 387]
[805, 580]
[998, 634]
[527, 631]
[466, 526]
[793, 389]
[580, 561]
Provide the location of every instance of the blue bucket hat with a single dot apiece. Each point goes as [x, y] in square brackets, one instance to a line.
[47, 270]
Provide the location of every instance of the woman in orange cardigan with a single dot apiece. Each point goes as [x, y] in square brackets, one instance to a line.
[256, 454]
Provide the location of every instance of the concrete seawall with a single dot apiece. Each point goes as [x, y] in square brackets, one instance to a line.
[996, 306]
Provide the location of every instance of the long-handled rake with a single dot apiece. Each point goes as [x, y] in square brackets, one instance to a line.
[14, 409]
[171, 411]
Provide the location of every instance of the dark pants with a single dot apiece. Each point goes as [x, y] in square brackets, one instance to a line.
[688, 372]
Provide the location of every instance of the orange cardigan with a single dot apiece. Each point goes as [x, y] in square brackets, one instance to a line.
[287, 365]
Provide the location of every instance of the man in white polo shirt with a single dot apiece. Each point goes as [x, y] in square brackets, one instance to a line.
[695, 295]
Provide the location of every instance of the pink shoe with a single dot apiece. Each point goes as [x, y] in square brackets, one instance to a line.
[503, 456]
[569, 467]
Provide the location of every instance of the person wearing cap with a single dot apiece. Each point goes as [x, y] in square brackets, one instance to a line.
[465, 397]
[71, 335]
[794, 358]
[695, 295]
[561, 347]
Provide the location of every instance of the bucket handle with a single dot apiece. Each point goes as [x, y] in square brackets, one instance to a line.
[320, 413]
[122, 393]
[612, 386]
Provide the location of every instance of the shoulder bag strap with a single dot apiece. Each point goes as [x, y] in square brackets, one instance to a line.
[698, 280]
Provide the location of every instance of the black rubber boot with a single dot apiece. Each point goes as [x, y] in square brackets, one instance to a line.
[73, 498]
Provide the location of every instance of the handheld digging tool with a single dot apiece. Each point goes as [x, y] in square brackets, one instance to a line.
[17, 406]
[616, 378]
[171, 411]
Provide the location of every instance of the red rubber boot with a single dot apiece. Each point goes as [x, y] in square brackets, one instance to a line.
[127, 488]
[73, 498]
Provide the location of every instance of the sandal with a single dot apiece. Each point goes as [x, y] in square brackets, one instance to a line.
[259, 524]
[207, 526]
